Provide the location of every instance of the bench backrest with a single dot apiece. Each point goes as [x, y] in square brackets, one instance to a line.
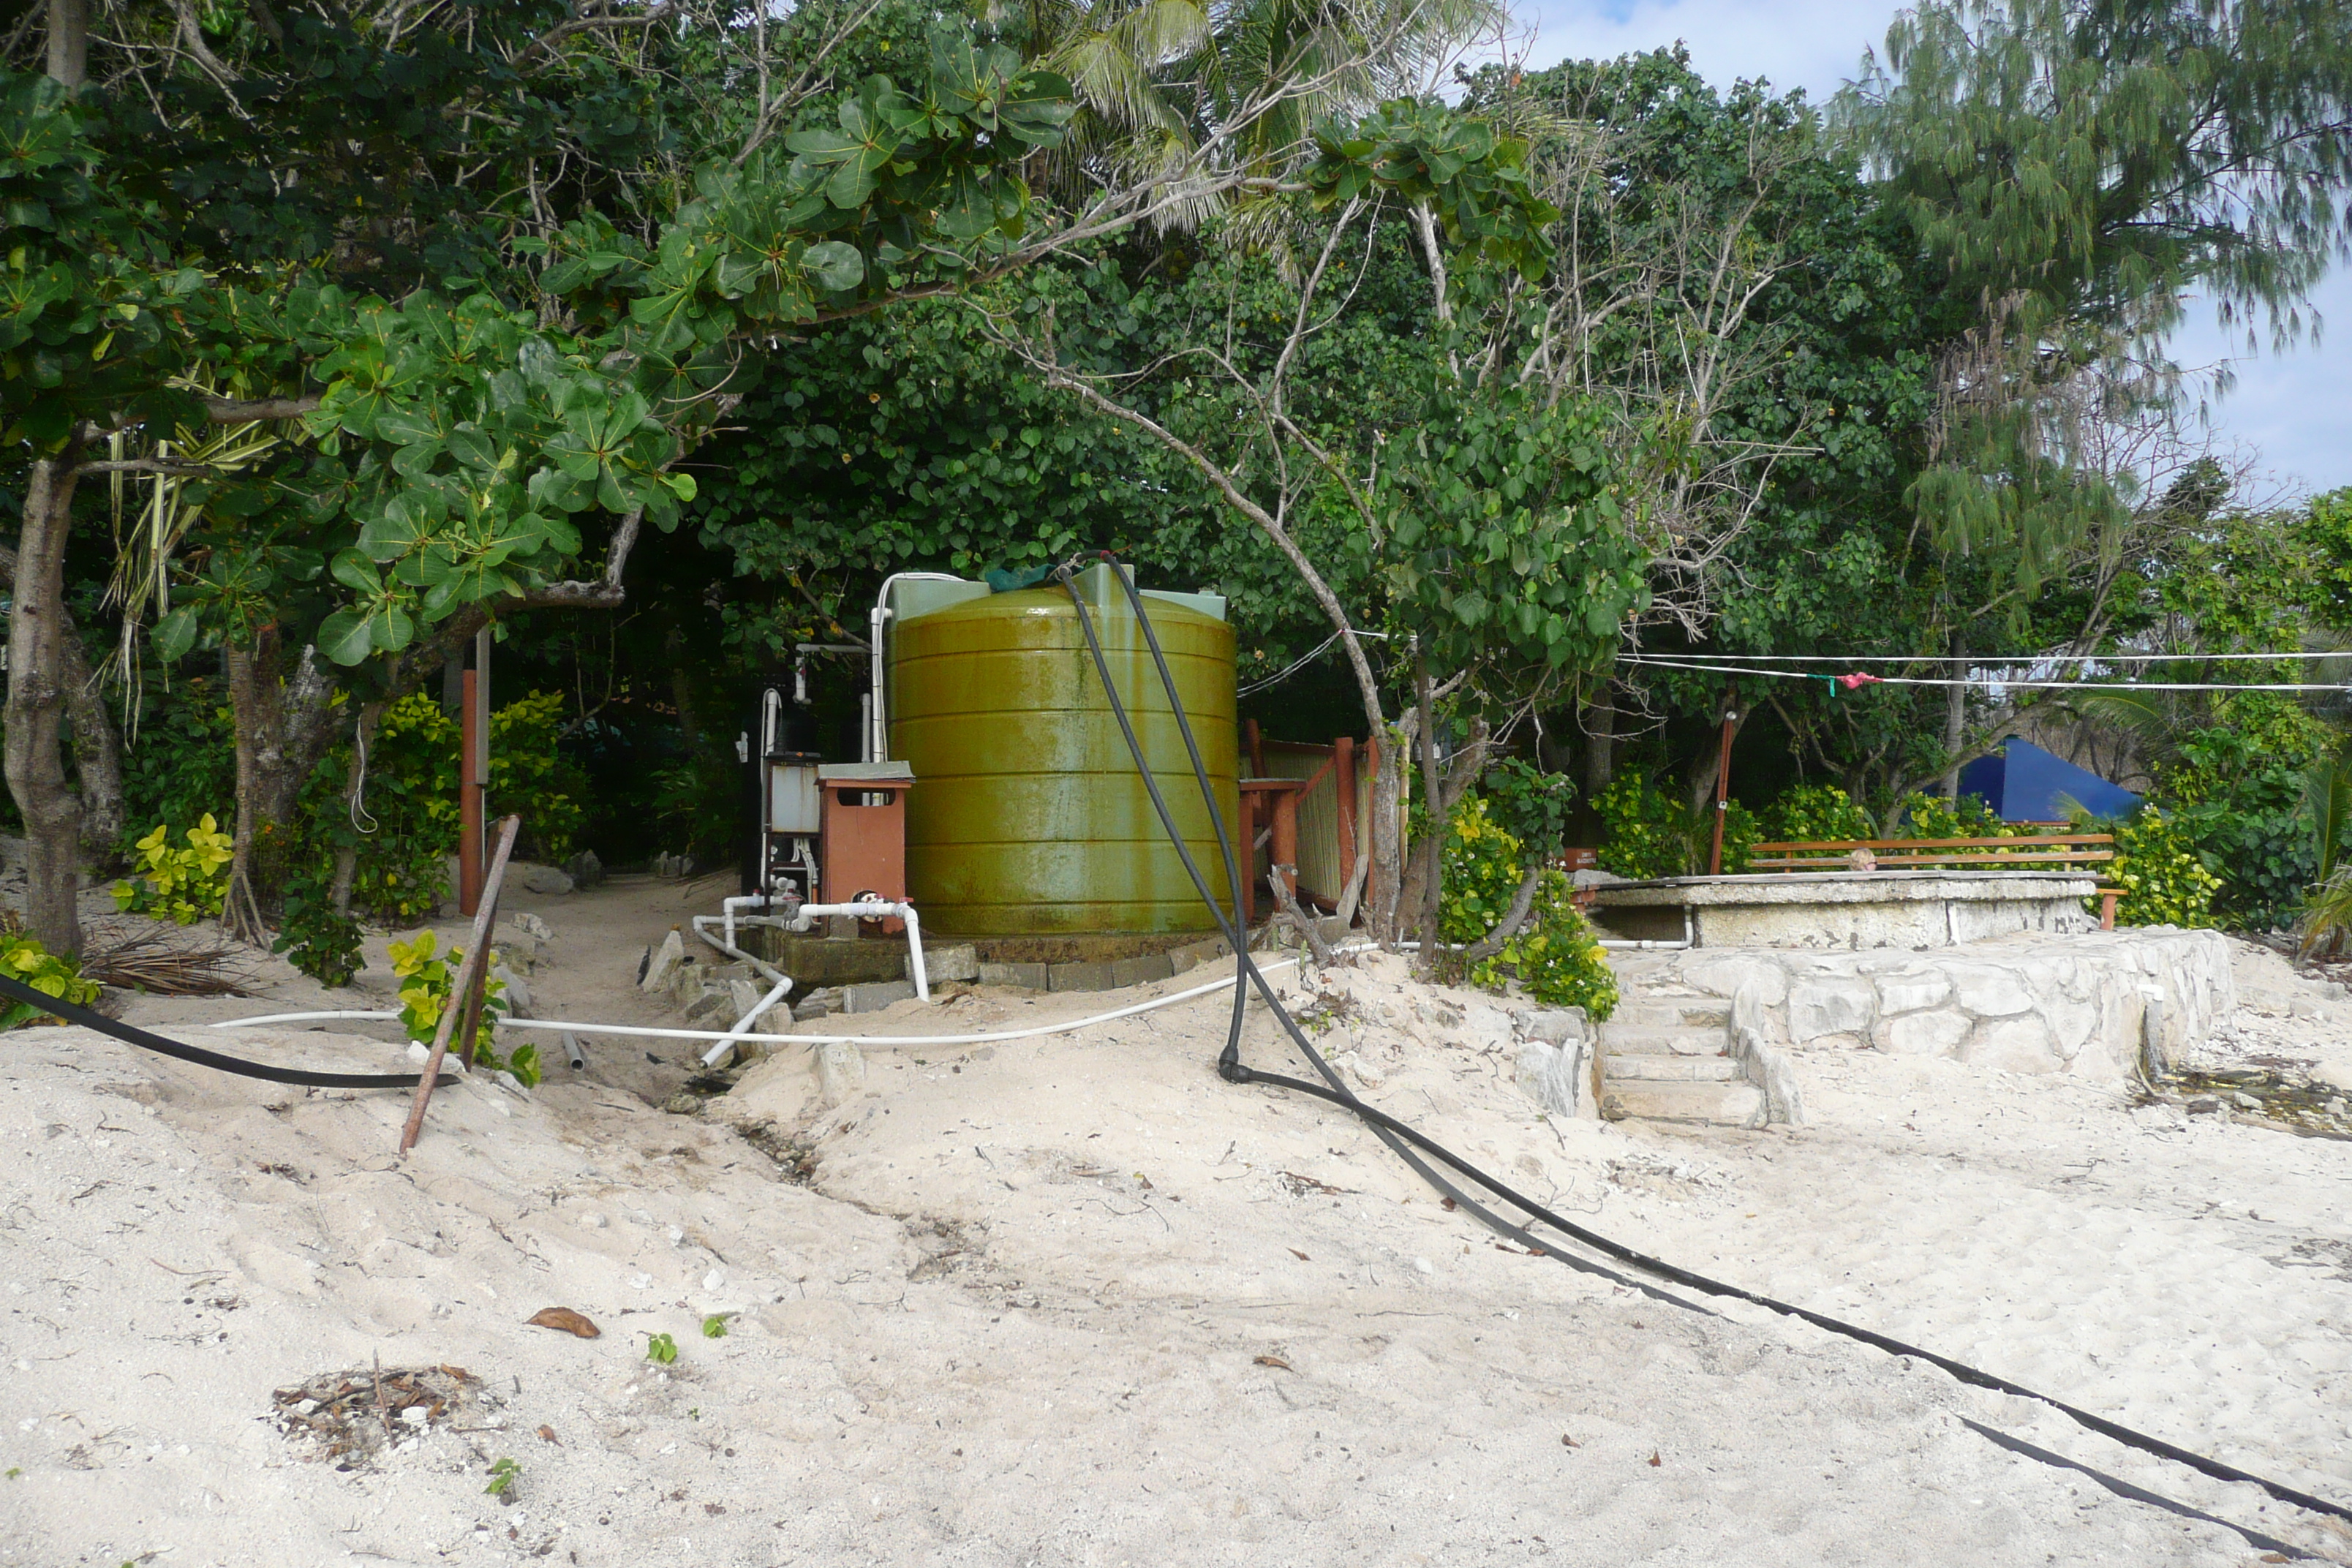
[2037, 848]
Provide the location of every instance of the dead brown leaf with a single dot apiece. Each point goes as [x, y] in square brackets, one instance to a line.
[547, 1435]
[1567, 1442]
[565, 1319]
[1300, 1256]
[1653, 1458]
[1275, 1360]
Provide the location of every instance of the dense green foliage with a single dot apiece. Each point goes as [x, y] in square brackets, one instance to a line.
[1649, 833]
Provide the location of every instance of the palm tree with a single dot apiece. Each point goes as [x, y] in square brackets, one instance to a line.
[1197, 92]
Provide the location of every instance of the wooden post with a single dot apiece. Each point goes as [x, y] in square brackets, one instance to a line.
[469, 799]
[1257, 747]
[1722, 793]
[1373, 891]
[1282, 863]
[466, 990]
[1249, 799]
[1343, 753]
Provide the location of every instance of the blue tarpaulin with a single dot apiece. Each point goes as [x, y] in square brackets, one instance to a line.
[2022, 782]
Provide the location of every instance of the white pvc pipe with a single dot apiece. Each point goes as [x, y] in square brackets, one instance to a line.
[782, 982]
[991, 1036]
[871, 910]
[877, 621]
[727, 1044]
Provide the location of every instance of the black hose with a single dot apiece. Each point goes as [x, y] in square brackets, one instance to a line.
[1229, 1063]
[17, 990]
[1396, 1134]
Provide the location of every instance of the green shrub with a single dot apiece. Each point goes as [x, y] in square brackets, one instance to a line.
[531, 778]
[695, 804]
[1532, 803]
[179, 758]
[1555, 955]
[1648, 833]
[2164, 881]
[24, 959]
[181, 884]
[1815, 812]
[410, 803]
[2235, 790]
[315, 939]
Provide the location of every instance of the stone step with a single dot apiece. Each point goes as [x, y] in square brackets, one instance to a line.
[1639, 1042]
[1617, 1069]
[1654, 1011]
[1737, 1104]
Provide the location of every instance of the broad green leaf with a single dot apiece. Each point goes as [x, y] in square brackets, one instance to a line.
[345, 638]
[837, 266]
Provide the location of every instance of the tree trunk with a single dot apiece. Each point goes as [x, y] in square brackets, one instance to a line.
[97, 745]
[70, 42]
[347, 859]
[1600, 742]
[38, 633]
[1388, 843]
[98, 752]
[1955, 717]
[1428, 863]
[282, 730]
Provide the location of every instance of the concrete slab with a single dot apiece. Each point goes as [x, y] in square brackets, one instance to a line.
[1850, 910]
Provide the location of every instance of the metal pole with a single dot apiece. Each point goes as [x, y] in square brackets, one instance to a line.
[1722, 793]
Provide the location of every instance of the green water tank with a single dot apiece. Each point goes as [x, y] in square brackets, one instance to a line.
[1027, 816]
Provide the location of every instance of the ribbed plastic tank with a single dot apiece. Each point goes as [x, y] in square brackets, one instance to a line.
[1027, 816]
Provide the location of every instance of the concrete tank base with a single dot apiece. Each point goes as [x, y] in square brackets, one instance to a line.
[1851, 910]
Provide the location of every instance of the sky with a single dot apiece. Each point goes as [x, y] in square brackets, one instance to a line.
[2293, 411]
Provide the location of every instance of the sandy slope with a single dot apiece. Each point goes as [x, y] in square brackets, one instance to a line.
[1077, 1301]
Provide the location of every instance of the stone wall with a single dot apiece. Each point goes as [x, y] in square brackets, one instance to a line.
[2025, 1004]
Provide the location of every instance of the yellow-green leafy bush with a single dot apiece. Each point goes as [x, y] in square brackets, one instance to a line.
[24, 959]
[2163, 880]
[1555, 955]
[182, 885]
[426, 976]
[1814, 813]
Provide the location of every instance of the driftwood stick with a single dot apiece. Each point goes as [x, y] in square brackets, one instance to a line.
[465, 995]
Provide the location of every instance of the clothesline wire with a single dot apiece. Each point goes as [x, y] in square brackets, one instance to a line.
[1301, 662]
[1652, 663]
[2005, 659]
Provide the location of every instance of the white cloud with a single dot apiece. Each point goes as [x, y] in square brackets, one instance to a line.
[1815, 46]
[2292, 408]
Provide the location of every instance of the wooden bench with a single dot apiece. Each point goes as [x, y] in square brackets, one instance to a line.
[2035, 851]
